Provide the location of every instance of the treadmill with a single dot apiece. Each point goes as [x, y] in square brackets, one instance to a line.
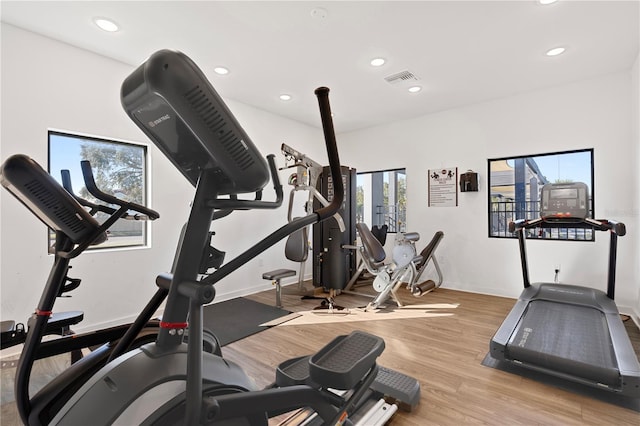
[568, 331]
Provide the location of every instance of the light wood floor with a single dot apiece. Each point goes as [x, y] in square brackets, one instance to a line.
[443, 352]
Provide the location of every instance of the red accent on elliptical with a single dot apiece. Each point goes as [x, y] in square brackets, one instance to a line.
[173, 324]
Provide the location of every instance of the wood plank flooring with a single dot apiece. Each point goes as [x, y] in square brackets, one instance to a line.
[443, 352]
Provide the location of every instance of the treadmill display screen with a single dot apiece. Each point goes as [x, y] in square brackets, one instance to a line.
[564, 193]
[564, 200]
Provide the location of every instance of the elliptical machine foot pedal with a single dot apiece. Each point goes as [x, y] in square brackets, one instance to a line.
[341, 364]
[391, 384]
[344, 361]
[294, 371]
[402, 388]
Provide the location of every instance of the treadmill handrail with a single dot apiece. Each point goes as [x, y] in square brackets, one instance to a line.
[616, 229]
[553, 222]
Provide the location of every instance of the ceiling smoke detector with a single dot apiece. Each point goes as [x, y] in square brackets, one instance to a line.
[401, 77]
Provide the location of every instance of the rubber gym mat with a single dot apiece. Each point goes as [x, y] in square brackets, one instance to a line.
[238, 318]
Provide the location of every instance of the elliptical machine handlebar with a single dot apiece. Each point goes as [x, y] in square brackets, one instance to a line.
[322, 94]
[224, 207]
[235, 204]
[120, 213]
[95, 208]
[90, 183]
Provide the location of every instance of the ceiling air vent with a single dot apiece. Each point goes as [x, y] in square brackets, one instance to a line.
[401, 77]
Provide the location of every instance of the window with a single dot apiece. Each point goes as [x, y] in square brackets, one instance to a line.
[514, 190]
[119, 169]
[381, 199]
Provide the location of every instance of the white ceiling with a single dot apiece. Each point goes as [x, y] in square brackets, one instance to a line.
[463, 52]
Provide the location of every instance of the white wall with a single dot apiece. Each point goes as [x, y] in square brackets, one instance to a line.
[47, 84]
[590, 114]
[635, 117]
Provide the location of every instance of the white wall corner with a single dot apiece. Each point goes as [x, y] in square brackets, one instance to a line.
[635, 143]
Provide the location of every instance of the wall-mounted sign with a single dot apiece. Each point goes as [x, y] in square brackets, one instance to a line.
[443, 187]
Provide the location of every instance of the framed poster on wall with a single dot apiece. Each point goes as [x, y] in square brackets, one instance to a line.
[443, 187]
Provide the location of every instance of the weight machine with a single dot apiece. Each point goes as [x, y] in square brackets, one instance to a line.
[407, 267]
[333, 260]
[333, 263]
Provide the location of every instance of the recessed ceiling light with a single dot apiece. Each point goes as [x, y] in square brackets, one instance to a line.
[221, 70]
[377, 62]
[414, 89]
[545, 2]
[556, 51]
[106, 24]
[285, 97]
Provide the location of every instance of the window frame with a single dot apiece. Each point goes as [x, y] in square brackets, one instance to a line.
[113, 242]
[557, 234]
[401, 225]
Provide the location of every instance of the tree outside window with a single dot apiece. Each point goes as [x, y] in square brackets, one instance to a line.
[119, 169]
[381, 199]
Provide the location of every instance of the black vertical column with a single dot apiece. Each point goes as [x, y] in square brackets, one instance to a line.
[333, 264]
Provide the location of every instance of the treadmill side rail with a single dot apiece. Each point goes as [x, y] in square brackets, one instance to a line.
[498, 344]
[625, 356]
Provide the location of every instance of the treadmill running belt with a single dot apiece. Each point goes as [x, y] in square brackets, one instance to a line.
[569, 339]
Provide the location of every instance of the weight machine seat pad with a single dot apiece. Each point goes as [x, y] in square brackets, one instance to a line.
[571, 339]
[296, 248]
[278, 274]
[7, 326]
[380, 232]
[427, 252]
[372, 247]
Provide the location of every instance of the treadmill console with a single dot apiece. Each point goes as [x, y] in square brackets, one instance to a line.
[564, 200]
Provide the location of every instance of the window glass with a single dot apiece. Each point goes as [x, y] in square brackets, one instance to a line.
[119, 169]
[515, 184]
[381, 199]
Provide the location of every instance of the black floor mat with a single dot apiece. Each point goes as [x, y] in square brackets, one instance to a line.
[238, 318]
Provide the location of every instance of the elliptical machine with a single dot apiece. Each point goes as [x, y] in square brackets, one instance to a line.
[75, 230]
[168, 381]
